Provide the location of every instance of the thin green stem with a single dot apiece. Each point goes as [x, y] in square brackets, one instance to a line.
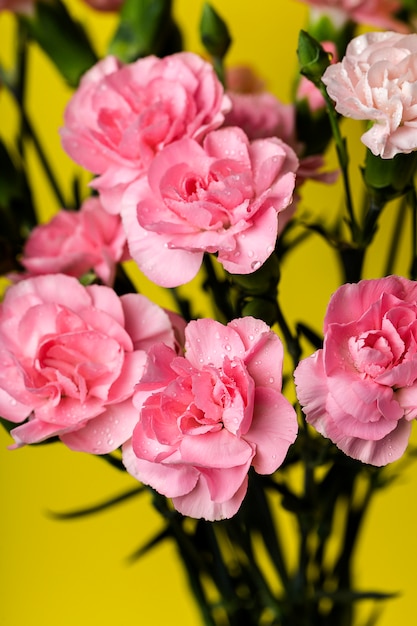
[412, 198]
[396, 232]
[343, 159]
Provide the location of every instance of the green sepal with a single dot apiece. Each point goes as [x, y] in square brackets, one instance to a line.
[389, 178]
[214, 33]
[313, 59]
[146, 27]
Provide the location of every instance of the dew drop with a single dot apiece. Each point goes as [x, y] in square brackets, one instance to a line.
[250, 253]
[255, 265]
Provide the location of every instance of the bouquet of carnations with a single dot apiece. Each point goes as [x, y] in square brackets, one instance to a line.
[198, 171]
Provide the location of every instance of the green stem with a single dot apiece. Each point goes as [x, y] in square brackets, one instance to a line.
[30, 131]
[412, 198]
[343, 159]
[398, 226]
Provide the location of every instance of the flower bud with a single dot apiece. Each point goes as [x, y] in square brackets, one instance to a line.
[313, 59]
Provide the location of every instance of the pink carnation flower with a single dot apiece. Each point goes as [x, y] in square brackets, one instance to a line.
[221, 197]
[377, 81]
[75, 242]
[122, 115]
[379, 13]
[71, 356]
[262, 115]
[208, 416]
[360, 390]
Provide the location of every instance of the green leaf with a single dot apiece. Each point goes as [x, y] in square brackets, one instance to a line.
[62, 38]
[389, 178]
[165, 533]
[313, 59]
[146, 27]
[97, 508]
[214, 33]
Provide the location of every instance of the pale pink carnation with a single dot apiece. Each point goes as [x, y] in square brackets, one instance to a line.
[223, 197]
[206, 417]
[71, 356]
[379, 13]
[377, 81]
[360, 390]
[121, 116]
[75, 242]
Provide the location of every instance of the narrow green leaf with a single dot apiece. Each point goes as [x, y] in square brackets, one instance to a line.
[97, 508]
[146, 27]
[62, 38]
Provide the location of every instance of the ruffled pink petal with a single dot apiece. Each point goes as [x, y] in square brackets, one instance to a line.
[105, 433]
[145, 322]
[163, 265]
[264, 351]
[170, 480]
[33, 431]
[274, 428]
[208, 342]
[132, 370]
[223, 483]
[254, 244]
[198, 503]
[11, 409]
[312, 390]
[381, 452]
[215, 450]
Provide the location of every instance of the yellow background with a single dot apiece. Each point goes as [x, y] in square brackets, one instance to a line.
[56, 573]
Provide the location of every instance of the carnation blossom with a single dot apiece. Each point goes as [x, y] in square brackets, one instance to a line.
[379, 13]
[377, 81]
[75, 242]
[206, 417]
[121, 116]
[222, 197]
[71, 356]
[360, 390]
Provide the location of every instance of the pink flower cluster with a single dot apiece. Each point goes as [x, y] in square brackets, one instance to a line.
[183, 186]
[360, 390]
[121, 116]
[99, 372]
[376, 81]
[206, 417]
